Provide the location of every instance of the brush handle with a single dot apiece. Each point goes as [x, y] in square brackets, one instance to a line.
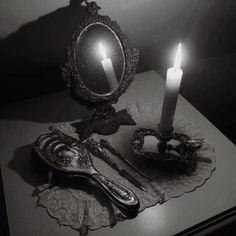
[122, 196]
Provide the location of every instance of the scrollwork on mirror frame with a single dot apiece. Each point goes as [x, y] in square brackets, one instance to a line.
[71, 74]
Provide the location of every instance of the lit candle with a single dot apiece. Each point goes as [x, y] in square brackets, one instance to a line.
[108, 68]
[173, 81]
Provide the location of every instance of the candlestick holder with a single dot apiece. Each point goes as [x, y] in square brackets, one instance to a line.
[175, 150]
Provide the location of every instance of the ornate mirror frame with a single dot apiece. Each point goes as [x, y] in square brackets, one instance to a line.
[71, 74]
[105, 119]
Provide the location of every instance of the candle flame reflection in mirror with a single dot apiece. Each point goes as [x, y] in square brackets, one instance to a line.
[108, 68]
[102, 51]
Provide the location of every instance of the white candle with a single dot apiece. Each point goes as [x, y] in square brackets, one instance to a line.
[108, 68]
[173, 81]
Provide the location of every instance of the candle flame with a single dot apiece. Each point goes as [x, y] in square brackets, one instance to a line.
[102, 51]
[178, 57]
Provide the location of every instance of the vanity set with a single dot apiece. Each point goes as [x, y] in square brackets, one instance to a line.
[99, 68]
[124, 157]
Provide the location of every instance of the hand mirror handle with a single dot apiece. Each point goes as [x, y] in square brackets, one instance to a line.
[118, 193]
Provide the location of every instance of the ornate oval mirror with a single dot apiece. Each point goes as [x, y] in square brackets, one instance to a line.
[100, 58]
[99, 68]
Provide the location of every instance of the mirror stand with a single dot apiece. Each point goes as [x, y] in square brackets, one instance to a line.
[99, 68]
[105, 120]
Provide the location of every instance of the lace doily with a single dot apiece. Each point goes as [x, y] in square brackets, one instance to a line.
[88, 208]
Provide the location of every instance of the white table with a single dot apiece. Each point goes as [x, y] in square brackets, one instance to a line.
[21, 123]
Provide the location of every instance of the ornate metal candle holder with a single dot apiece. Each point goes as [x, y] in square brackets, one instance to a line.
[176, 151]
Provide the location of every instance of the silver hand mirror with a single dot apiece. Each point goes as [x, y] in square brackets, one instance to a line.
[99, 68]
[69, 156]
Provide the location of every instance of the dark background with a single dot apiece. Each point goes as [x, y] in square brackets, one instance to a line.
[34, 37]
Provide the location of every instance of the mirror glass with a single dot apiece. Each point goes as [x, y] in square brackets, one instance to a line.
[100, 58]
